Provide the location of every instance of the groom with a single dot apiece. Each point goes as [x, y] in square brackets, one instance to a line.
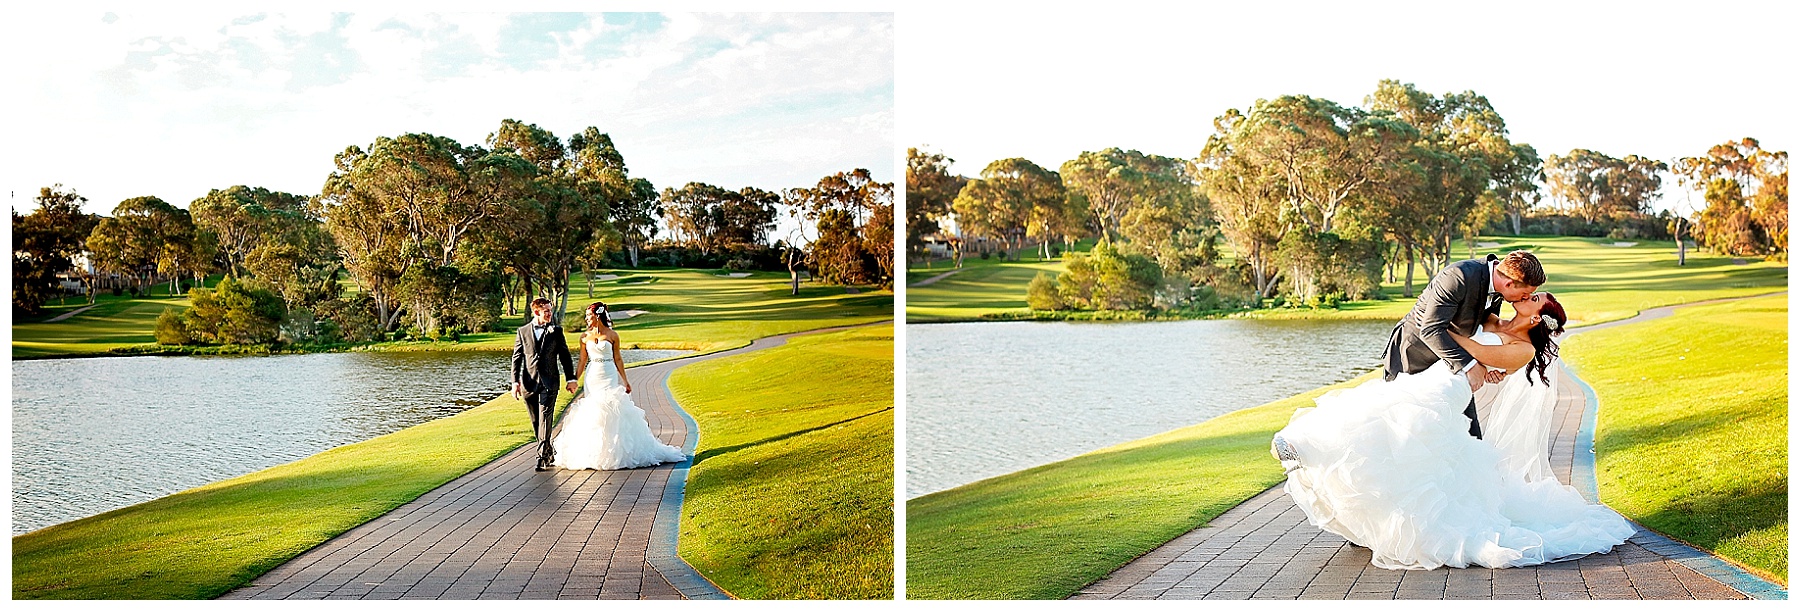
[1458, 299]
[539, 347]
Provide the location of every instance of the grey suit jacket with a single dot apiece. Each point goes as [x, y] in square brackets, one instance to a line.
[1451, 304]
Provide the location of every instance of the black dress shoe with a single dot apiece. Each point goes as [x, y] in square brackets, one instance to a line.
[542, 466]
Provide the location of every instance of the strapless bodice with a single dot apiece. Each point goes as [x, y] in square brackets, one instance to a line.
[600, 350]
[1489, 338]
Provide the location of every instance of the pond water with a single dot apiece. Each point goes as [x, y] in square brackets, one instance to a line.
[97, 434]
[985, 399]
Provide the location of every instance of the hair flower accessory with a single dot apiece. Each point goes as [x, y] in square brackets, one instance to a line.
[1551, 324]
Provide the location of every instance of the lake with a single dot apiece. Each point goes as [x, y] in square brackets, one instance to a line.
[96, 434]
[985, 399]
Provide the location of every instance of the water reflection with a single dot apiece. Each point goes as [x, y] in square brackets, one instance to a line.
[985, 399]
[91, 435]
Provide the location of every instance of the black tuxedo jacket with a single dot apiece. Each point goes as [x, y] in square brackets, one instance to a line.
[1454, 303]
[534, 361]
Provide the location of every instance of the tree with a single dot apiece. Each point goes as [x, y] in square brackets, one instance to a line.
[145, 237]
[1247, 202]
[1746, 195]
[46, 243]
[1009, 197]
[840, 252]
[930, 190]
[1598, 186]
[240, 217]
[1114, 182]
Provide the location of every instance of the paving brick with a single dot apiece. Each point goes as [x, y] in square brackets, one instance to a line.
[505, 531]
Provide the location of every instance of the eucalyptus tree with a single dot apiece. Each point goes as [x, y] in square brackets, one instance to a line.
[1746, 194]
[1599, 187]
[147, 236]
[839, 207]
[1011, 197]
[930, 190]
[240, 218]
[1113, 182]
[1246, 201]
[45, 243]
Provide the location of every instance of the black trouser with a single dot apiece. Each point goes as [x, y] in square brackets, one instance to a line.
[542, 406]
[1474, 424]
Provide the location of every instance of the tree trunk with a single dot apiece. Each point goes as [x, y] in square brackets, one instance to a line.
[633, 250]
[1680, 246]
[1515, 222]
[794, 280]
[1409, 270]
[589, 274]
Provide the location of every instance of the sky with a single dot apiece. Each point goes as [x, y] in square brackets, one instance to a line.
[117, 104]
[1619, 78]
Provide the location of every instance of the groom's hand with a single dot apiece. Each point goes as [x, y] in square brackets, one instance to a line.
[1495, 376]
[1477, 375]
[518, 391]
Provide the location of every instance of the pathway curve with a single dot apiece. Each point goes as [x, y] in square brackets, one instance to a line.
[505, 531]
[1265, 549]
[935, 279]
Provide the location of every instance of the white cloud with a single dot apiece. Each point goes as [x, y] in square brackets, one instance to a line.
[176, 104]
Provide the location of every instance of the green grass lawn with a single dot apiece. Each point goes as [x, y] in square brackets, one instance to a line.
[115, 321]
[1595, 281]
[1045, 532]
[1693, 428]
[792, 490]
[205, 541]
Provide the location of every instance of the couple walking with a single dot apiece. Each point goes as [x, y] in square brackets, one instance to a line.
[1401, 465]
[602, 429]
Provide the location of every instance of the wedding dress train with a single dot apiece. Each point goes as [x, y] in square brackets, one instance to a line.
[603, 429]
[1391, 466]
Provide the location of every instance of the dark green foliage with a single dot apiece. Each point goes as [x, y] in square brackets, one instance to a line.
[1041, 294]
[1109, 279]
[171, 329]
[234, 313]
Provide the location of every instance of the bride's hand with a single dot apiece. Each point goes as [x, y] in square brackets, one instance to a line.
[571, 386]
[628, 386]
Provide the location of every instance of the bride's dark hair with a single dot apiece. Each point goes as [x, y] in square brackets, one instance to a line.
[1540, 337]
[599, 309]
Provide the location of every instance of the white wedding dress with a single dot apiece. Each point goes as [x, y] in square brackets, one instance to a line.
[603, 429]
[1391, 466]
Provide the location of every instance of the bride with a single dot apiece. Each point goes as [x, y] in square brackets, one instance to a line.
[603, 430]
[1391, 465]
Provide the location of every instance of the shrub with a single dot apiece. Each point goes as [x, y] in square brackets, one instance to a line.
[171, 329]
[233, 313]
[1109, 279]
[1041, 293]
[740, 264]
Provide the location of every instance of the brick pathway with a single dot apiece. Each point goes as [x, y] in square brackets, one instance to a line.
[505, 531]
[1264, 549]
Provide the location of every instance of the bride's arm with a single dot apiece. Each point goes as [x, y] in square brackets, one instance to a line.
[581, 364]
[619, 362]
[1509, 356]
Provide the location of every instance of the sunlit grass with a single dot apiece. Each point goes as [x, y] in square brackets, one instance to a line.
[1692, 433]
[792, 490]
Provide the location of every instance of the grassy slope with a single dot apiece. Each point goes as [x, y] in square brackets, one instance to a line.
[1692, 438]
[113, 322]
[204, 541]
[791, 493]
[983, 286]
[1596, 282]
[1044, 532]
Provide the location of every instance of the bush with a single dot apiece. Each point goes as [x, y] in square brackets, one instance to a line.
[1041, 293]
[235, 314]
[740, 264]
[171, 329]
[984, 254]
[1109, 279]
